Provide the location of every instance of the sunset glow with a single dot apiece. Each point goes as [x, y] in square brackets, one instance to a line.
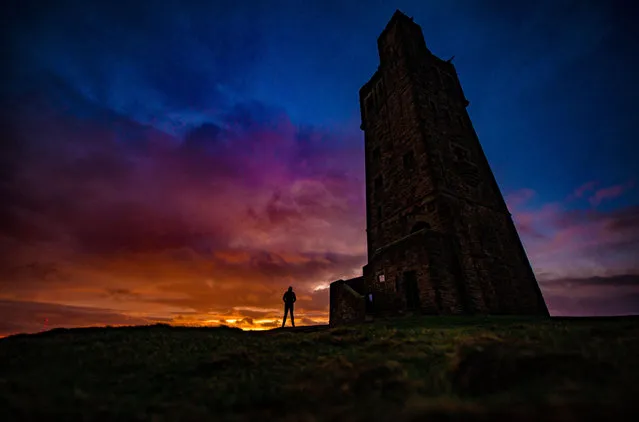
[188, 170]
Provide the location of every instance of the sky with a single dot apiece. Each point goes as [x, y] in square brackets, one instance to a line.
[185, 162]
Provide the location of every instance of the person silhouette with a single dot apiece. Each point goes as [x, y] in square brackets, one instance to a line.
[289, 299]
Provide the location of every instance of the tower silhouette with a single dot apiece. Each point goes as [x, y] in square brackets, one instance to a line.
[440, 237]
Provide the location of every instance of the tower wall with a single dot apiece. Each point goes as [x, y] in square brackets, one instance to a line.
[432, 257]
[347, 305]
[434, 209]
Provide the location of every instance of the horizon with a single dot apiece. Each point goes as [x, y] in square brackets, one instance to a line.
[185, 164]
[471, 319]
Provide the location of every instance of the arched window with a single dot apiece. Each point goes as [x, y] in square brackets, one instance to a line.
[420, 225]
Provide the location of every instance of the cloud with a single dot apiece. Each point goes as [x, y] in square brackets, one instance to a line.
[610, 192]
[519, 197]
[581, 190]
[148, 62]
[564, 241]
[231, 213]
[29, 317]
[623, 280]
[32, 317]
[138, 172]
[122, 294]
[526, 221]
[593, 296]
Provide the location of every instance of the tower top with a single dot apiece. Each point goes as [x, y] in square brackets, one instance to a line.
[401, 37]
[398, 17]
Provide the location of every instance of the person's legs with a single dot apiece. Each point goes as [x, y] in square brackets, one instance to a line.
[292, 317]
[285, 313]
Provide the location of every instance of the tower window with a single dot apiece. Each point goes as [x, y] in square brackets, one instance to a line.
[377, 155]
[450, 82]
[447, 116]
[379, 89]
[409, 161]
[379, 213]
[379, 183]
[368, 105]
[460, 153]
[462, 123]
[392, 53]
[433, 110]
[439, 77]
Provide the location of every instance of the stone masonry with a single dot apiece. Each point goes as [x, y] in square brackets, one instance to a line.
[347, 304]
[440, 237]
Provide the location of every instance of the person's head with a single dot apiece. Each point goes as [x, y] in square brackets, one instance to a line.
[290, 289]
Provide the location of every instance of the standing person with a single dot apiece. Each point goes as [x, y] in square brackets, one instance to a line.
[289, 299]
[369, 302]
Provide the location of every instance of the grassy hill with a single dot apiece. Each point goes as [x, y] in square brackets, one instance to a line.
[427, 368]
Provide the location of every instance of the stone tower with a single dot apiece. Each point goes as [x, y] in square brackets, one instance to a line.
[440, 237]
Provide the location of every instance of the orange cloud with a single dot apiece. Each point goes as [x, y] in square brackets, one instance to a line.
[213, 228]
[193, 231]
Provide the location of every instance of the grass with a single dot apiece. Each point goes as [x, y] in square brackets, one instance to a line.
[406, 369]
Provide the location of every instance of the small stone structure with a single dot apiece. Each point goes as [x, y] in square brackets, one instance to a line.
[440, 237]
[347, 304]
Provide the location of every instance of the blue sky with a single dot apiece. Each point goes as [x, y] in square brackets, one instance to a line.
[551, 83]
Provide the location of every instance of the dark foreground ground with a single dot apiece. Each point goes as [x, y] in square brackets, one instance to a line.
[407, 369]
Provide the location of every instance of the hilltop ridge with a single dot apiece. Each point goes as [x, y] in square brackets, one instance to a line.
[399, 369]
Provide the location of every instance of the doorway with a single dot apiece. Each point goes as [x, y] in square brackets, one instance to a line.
[411, 290]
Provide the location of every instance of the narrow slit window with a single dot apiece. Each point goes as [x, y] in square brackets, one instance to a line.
[409, 161]
[433, 110]
[380, 92]
[377, 155]
[368, 105]
[450, 82]
[447, 116]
